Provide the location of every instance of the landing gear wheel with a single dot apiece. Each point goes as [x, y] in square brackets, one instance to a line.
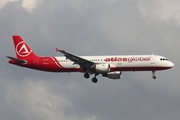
[86, 75]
[154, 77]
[94, 80]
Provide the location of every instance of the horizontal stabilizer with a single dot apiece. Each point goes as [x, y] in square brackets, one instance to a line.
[17, 60]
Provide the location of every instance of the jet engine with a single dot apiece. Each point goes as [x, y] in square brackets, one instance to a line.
[113, 75]
[102, 68]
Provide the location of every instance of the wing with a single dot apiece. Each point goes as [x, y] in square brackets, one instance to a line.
[83, 63]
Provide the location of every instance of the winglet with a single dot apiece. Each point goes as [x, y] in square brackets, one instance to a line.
[62, 51]
[57, 49]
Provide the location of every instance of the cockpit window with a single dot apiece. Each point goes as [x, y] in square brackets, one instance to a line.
[164, 59]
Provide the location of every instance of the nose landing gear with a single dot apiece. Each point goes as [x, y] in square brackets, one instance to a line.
[154, 77]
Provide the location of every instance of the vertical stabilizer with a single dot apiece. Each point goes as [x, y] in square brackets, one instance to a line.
[23, 51]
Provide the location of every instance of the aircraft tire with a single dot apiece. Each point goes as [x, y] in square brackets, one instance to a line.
[154, 77]
[94, 80]
[86, 75]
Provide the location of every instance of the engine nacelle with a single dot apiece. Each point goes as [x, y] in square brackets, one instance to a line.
[113, 75]
[102, 68]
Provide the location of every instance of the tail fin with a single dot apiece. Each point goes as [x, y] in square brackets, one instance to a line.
[23, 51]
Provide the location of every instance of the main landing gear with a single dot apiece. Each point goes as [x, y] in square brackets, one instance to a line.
[94, 79]
[154, 77]
[86, 75]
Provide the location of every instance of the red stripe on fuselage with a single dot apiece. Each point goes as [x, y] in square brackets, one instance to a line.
[56, 62]
[139, 68]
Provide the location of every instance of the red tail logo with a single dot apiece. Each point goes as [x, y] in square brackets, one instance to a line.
[22, 49]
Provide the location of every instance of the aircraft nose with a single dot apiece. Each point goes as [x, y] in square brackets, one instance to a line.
[171, 64]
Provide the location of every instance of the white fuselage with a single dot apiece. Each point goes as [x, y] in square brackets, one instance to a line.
[123, 62]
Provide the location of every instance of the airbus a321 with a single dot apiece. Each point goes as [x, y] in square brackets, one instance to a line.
[108, 66]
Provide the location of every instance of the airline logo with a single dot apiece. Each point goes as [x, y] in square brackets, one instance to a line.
[127, 59]
[22, 49]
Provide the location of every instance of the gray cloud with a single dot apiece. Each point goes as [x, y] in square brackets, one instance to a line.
[160, 10]
[28, 5]
[90, 28]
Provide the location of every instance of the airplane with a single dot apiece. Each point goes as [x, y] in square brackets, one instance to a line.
[110, 66]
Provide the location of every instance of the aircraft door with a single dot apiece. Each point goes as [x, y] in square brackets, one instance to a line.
[152, 59]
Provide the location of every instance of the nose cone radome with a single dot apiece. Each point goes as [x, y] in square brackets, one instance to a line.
[170, 64]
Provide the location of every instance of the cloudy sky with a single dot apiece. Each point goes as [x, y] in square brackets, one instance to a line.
[90, 27]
